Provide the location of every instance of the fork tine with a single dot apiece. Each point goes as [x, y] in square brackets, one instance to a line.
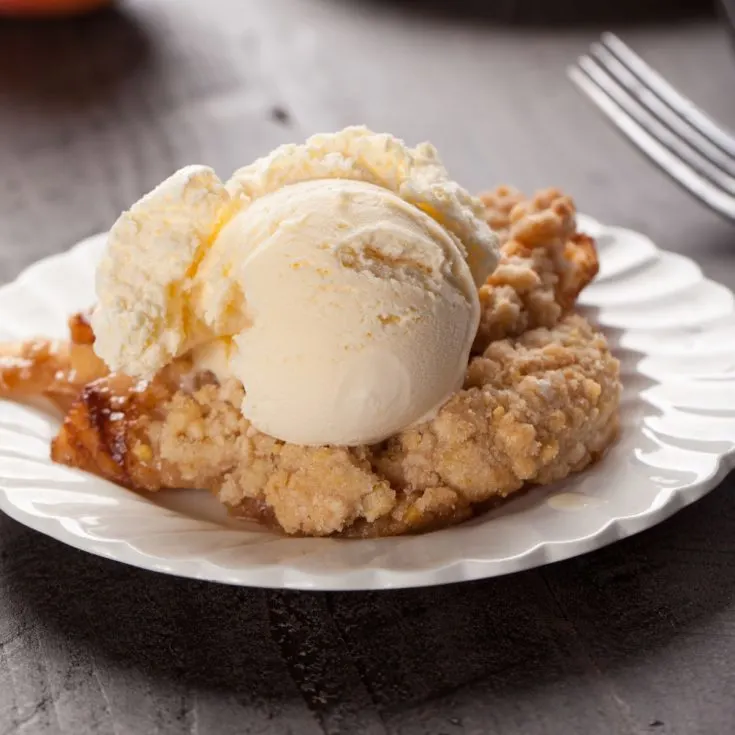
[637, 88]
[669, 162]
[677, 101]
[605, 79]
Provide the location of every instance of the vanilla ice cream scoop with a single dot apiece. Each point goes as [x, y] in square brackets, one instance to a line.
[336, 280]
[358, 311]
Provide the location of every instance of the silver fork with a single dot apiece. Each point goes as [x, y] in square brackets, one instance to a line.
[669, 128]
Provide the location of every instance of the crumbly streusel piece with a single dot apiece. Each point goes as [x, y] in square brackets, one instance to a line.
[545, 263]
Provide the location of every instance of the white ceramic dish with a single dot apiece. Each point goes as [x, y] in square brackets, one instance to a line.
[673, 330]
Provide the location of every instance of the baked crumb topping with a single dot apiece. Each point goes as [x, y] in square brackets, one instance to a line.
[540, 401]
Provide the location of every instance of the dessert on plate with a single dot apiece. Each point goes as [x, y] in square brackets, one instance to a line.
[340, 340]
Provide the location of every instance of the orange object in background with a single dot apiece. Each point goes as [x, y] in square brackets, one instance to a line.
[47, 8]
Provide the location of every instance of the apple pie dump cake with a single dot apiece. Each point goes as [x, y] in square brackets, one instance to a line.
[539, 400]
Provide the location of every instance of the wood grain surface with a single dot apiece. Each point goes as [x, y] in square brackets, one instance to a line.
[636, 638]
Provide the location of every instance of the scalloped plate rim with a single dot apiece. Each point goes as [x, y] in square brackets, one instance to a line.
[365, 578]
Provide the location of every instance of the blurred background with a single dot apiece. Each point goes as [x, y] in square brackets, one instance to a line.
[101, 100]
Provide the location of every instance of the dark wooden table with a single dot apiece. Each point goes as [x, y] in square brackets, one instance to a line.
[635, 638]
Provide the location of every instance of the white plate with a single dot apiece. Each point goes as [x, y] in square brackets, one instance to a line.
[673, 330]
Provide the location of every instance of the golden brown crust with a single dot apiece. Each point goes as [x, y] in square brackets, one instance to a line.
[111, 427]
[90, 437]
[80, 329]
[57, 370]
[540, 401]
